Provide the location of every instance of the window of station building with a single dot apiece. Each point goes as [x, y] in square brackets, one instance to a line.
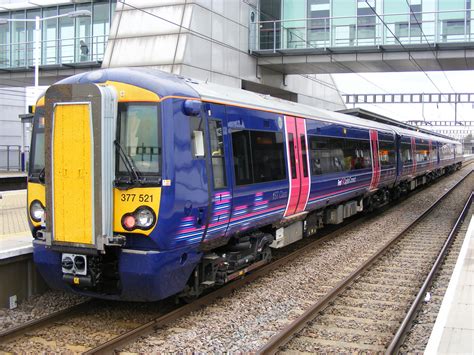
[453, 25]
[293, 27]
[83, 37]
[4, 42]
[30, 39]
[50, 32]
[270, 10]
[319, 25]
[100, 29]
[387, 153]
[217, 153]
[330, 155]
[258, 156]
[406, 153]
[66, 35]
[18, 38]
[366, 22]
[422, 152]
[344, 22]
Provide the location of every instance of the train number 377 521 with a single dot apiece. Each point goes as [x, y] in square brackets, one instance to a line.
[138, 197]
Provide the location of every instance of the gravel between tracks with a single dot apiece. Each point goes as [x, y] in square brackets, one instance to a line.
[251, 315]
[36, 307]
[418, 336]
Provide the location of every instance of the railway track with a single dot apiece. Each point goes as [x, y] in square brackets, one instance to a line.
[371, 310]
[58, 318]
[22, 329]
[161, 319]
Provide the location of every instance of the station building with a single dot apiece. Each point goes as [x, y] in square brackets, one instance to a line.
[213, 40]
[203, 39]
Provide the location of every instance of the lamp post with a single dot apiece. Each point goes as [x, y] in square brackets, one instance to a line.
[37, 40]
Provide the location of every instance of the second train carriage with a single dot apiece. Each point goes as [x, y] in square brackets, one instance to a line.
[143, 185]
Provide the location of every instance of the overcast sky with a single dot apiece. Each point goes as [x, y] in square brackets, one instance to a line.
[415, 82]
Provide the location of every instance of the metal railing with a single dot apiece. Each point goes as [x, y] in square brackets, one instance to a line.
[13, 159]
[57, 51]
[453, 26]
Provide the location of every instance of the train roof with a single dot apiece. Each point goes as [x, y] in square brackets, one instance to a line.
[166, 84]
[215, 92]
[400, 127]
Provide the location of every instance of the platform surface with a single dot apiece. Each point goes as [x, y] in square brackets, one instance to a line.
[12, 174]
[15, 235]
[453, 332]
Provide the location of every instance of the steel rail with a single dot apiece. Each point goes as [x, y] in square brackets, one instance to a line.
[405, 326]
[282, 337]
[22, 329]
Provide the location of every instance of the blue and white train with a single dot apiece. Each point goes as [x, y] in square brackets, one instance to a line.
[143, 185]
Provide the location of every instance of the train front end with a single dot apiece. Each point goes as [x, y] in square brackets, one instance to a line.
[94, 193]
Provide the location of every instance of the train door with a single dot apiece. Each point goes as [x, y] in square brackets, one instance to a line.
[220, 192]
[297, 150]
[374, 144]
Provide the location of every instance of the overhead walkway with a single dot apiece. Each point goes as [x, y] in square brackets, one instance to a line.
[442, 40]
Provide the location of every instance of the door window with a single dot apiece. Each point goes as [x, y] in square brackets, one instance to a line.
[217, 153]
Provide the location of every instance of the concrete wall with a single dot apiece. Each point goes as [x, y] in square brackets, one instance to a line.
[207, 40]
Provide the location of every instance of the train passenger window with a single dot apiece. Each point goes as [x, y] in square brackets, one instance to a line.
[356, 154]
[242, 157]
[406, 153]
[387, 153]
[258, 156]
[422, 153]
[326, 155]
[138, 135]
[330, 155]
[268, 156]
[217, 153]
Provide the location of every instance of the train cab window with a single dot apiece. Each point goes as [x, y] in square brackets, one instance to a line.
[217, 153]
[138, 129]
[37, 146]
[258, 156]
[387, 153]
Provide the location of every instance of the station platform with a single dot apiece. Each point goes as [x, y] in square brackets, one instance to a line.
[453, 332]
[18, 276]
[12, 180]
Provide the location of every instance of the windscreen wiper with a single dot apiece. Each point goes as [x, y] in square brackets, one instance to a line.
[42, 174]
[127, 161]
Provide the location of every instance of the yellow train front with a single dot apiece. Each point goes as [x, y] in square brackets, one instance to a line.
[95, 185]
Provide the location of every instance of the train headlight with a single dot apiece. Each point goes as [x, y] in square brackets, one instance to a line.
[145, 217]
[142, 218]
[36, 211]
